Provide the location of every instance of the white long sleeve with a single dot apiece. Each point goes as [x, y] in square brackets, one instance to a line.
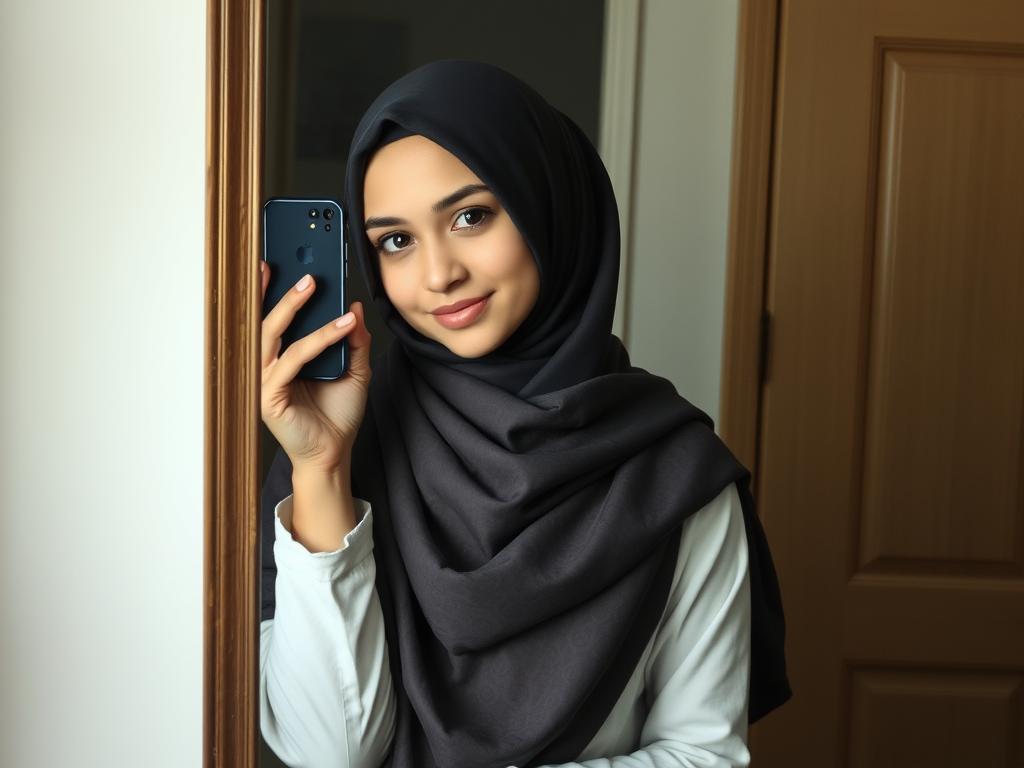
[685, 705]
[326, 696]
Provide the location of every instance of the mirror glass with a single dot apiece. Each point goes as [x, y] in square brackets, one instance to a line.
[327, 61]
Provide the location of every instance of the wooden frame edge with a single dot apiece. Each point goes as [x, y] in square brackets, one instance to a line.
[234, 169]
[749, 221]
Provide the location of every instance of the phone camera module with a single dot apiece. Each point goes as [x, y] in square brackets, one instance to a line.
[313, 213]
[328, 213]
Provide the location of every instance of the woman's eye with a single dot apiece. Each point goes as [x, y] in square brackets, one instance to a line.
[474, 217]
[386, 238]
[469, 212]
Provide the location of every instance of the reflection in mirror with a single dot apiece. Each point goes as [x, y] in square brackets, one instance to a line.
[500, 570]
[326, 61]
[536, 557]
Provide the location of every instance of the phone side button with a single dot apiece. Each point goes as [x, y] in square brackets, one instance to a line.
[346, 269]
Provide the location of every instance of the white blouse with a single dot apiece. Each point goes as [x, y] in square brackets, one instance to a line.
[326, 694]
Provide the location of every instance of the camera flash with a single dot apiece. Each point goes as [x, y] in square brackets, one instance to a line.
[312, 225]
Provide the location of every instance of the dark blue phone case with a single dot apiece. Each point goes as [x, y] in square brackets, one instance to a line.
[295, 243]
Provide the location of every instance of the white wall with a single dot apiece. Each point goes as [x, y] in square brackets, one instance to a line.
[681, 198]
[102, 159]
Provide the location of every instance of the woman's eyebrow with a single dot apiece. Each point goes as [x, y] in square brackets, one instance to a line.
[445, 202]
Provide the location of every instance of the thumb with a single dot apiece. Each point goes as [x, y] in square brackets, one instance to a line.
[359, 345]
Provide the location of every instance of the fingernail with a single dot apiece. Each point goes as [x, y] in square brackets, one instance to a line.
[345, 319]
[261, 266]
[302, 284]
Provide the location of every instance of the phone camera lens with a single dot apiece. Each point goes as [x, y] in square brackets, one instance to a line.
[327, 227]
[328, 213]
[313, 213]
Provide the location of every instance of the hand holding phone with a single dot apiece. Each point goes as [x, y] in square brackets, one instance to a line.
[315, 422]
[306, 235]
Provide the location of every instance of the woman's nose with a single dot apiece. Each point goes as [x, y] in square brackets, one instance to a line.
[443, 267]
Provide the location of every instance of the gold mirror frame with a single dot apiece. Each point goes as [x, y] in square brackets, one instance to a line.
[234, 191]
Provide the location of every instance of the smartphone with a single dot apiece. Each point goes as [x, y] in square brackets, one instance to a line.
[307, 235]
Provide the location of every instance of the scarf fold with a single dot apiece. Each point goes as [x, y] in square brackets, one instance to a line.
[527, 504]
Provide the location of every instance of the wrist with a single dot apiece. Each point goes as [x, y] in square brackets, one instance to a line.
[335, 477]
[323, 510]
[335, 473]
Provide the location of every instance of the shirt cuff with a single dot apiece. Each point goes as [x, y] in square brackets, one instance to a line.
[323, 566]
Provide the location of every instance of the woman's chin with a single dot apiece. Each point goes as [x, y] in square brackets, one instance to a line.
[468, 345]
[471, 351]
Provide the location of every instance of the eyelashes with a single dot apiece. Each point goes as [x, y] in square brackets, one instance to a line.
[380, 247]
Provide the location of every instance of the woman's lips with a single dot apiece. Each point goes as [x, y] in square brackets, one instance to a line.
[464, 316]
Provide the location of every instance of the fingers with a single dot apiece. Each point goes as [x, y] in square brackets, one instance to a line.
[281, 316]
[359, 346]
[309, 346]
[305, 349]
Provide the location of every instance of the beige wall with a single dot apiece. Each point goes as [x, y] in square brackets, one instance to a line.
[681, 191]
[101, 337]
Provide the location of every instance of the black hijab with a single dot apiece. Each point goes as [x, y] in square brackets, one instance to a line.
[527, 504]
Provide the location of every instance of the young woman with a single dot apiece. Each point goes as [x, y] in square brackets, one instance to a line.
[507, 546]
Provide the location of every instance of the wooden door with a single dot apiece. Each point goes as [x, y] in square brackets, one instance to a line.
[891, 443]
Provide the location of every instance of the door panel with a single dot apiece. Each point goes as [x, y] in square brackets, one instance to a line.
[890, 460]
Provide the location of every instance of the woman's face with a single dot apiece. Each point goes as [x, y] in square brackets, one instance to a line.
[439, 241]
